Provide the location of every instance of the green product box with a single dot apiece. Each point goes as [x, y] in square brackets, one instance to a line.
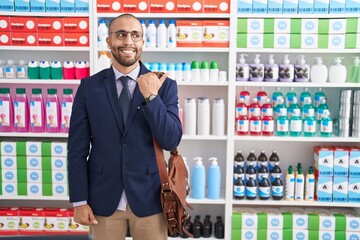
[320, 235]
[296, 234]
[242, 25]
[241, 40]
[268, 40]
[262, 220]
[323, 41]
[321, 222]
[22, 176]
[46, 163]
[295, 40]
[13, 148]
[47, 189]
[269, 25]
[21, 162]
[236, 221]
[350, 40]
[54, 149]
[47, 176]
[323, 27]
[236, 234]
[352, 25]
[295, 25]
[346, 235]
[340, 222]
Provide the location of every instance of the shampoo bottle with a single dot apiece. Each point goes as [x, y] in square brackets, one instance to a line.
[299, 185]
[37, 111]
[52, 111]
[310, 185]
[242, 69]
[290, 185]
[214, 179]
[337, 71]
[286, 70]
[318, 72]
[66, 108]
[271, 72]
[302, 70]
[6, 111]
[354, 71]
[198, 179]
[256, 70]
[21, 111]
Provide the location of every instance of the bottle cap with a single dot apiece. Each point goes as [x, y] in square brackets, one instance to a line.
[162, 21]
[163, 67]
[171, 67]
[171, 21]
[257, 59]
[286, 59]
[102, 21]
[5, 90]
[271, 59]
[214, 65]
[36, 91]
[198, 161]
[337, 60]
[290, 170]
[186, 67]
[213, 161]
[179, 67]
[67, 91]
[151, 21]
[311, 170]
[20, 90]
[142, 21]
[52, 91]
[318, 60]
[204, 65]
[195, 65]
[301, 59]
[242, 59]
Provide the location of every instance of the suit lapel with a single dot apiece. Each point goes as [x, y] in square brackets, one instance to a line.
[110, 85]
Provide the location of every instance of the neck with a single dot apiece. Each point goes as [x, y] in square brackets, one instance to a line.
[125, 69]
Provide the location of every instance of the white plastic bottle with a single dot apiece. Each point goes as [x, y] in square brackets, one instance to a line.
[203, 125]
[337, 71]
[144, 30]
[318, 72]
[290, 185]
[104, 61]
[310, 185]
[21, 70]
[218, 117]
[102, 34]
[171, 34]
[161, 33]
[10, 70]
[302, 70]
[151, 34]
[179, 72]
[299, 185]
[190, 116]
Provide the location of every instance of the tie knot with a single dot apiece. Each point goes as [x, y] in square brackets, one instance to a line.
[124, 80]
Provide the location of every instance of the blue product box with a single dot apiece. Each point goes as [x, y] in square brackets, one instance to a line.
[7, 5]
[352, 6]
[260, 6]
[337, 6]
[354, 193]
[245, 6]
[341, 162]
[324, 189]
[321, 6]
[306, 6]
[37, 5]
[354, 162]
[81, 5]
[67, 5]
[275, 6]
[290, 6]
[52, 6]
[22, 5]
[340, 189]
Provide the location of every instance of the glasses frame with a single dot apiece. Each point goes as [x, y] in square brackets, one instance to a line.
[127, 34]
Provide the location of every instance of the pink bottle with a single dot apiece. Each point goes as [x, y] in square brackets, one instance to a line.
[68, 70]
[241, 108]
[21, 111]
[267, 126]
[261, 96]
[6, 111]
[255, 125]
[254, 109]
[80, 70]
[242, 125]
[66, 107]
[245, 94]
[37, 111]
[266, 109]
[52, 111]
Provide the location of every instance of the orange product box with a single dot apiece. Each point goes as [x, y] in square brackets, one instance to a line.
[50, 39]
[21, 39]
[105, 6]
[23, 24]
[216, 6]
[56, 220]
[9, 220]
[31, 221]
[4, 23]
[76, 228]
[162, 6]
[47, 24]
[139, 6]
[5, 39]
[76, 39]
[79, 25]
[189, 33]
[216, 33]
[186, 6]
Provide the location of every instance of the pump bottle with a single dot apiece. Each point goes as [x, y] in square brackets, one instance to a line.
[271, 72]
[242, 69]
[302, 70]
[214, 179]
[337, 71]
[318, 72]
[286, 70]
[354, 71]
[198, 179]
[256, 70]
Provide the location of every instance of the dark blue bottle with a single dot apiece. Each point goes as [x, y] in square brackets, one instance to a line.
[251, 189]
[264, 189]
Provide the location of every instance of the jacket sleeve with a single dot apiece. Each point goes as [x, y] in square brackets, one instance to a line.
[78, 147]
[163, 116]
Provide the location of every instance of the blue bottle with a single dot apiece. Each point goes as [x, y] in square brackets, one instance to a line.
[198, 179]
[214, 179]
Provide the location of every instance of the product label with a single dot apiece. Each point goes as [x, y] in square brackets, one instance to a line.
[308, 112]
[294, 112]
[267, 112]
[326, 126]
[281, 112]
[239, 191]
[66, 108]
[251, 191]
[254, 112]
[19, 114]
[268, 126]
[246, 99]
[9, 72]
[255, 126]
[35, 114]
[277, 191]
[282, 125]
[264, 192]
[309, 126]
[21, 73]
[4, 113]
[242, 126]
[51, 115]
[295, 125]
[241, 111]
[318, 99]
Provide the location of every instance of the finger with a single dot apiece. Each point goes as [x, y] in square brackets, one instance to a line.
[163, 77]
[93, 219]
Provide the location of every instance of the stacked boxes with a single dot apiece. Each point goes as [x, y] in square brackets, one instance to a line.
[298, 33]
[45, 5]
[33, 169]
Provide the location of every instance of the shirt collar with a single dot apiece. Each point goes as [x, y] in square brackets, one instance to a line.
[133, 74]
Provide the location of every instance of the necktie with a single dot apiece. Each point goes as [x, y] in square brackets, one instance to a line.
[124, 98]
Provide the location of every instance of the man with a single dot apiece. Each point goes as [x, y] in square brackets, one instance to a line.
[113, 175]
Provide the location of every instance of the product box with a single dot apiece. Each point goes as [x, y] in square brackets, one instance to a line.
[309, 26]
[52, 5]
[347, 222]
[324, 189]
[54, 163]
[340, 189]
[13, 148]
[249, 220]
[216, 33]
[275, 6]
[7, 5]
[347, 235]
[9, 175]
[314, 234]
[276, 40]
[54, 149]
[354, 162]
[354, 189]
[321, 6]
[190, 33]
[332, 26]
[324, 161]
[76, 25]
[352, 6]
[309, 41]
[324, 222]
[162, 6]
[82, 6]
[50, 39]
[37, 6]
[56, 190]
[4, 23]
[22, 6]
[216, 6]
[352, 25]
[341, 162]
[9, 220]
[33, 148]
[337, 6]
[306, 6]
[351, 40]
[5, 39]
[254, 40]
[9, 189]
[274, 220]
[295, 219]
[8, 162]
[185, 6]
[55, 177]
[31, 221]
[249, 234]
[296, 234]
[30, 189]
[244, 6]
[67, 5]
[76, 227]
[56, 220]
[109, 6]
[140, 6]
[260, 6]
[290, 6]
[50, 25]
[23, 24]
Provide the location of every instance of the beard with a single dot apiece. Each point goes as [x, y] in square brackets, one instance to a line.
[126, 62]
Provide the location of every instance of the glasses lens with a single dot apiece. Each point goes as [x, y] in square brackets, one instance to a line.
[135, 35]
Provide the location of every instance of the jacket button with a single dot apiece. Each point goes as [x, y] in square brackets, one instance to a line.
[124, 144]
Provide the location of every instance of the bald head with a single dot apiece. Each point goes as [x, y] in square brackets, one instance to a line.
[125, 16]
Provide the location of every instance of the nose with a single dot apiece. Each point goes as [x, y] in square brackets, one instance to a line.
[128, 40]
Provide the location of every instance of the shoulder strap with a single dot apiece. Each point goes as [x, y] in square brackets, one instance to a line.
[161, 166]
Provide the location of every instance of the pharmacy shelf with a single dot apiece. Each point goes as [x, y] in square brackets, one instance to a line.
[40, 81]
[296, 50]
[198, 137]
[206, 201]
[297, 139]
[169, 15]
[33, 135]
[46, 14]
[282, 16]
[281, 203]
[31, 198]
[178, 49]
[297, 84]
[178, 238]
[47, 49]
[215, 84]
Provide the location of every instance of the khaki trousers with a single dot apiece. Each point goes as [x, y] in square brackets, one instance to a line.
[115, 226]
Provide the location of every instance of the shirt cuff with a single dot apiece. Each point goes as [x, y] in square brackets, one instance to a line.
[77, 204]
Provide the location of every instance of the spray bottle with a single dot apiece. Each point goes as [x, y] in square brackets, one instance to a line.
[214, 179]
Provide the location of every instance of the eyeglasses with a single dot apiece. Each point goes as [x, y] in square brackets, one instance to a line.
[122, 35]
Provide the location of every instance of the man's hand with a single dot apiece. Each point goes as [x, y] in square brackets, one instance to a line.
[149, 83]
[84, 215]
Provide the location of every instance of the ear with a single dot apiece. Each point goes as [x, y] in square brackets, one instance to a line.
[108, 41]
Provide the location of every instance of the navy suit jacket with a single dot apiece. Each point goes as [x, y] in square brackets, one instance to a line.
[105, 157]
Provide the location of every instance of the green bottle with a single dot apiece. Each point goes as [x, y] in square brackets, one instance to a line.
[281, 109]
[318, 96]
[309, 126]
[320, 111]
[308, 109]
[282, 125]
[326, 126]
[304, 95]
[354, 71]
[295, 126]
[294, 109]
[275, 97]
[290, 96]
